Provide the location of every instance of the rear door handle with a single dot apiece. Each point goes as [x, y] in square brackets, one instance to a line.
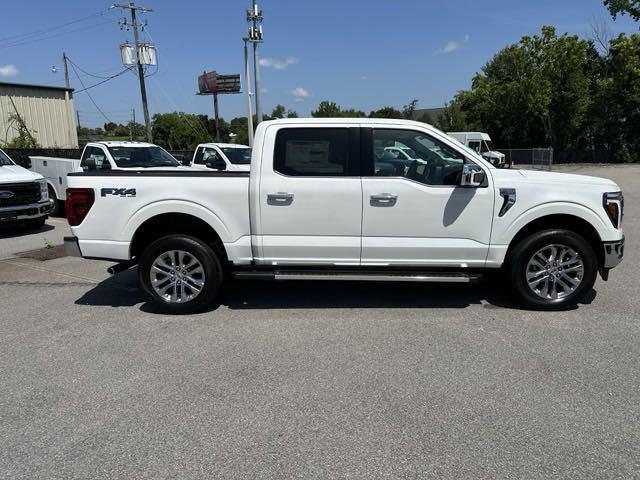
[280, 198]
[383, 200]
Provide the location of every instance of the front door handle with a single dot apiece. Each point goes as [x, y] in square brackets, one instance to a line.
[280, 198]
[383, 200]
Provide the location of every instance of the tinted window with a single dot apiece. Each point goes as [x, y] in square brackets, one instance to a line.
[312, 152]
[94, 158]
[238, 156]
[4, 159]
[141, 157]
[432, 162]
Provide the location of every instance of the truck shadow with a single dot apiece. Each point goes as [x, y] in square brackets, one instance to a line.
[15, 231]
[122, 291]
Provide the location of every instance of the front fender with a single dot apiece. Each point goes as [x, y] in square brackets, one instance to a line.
[510, 230]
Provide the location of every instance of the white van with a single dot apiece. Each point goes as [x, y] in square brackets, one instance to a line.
[55, 171]
[481, 143]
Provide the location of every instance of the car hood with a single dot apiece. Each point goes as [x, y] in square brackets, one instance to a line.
[547, 178]
[15, 173]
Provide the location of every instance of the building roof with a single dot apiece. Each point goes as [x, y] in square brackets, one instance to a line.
[32, 85]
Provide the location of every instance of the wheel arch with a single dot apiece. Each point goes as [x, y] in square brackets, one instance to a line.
[559, 221]
[176, 223]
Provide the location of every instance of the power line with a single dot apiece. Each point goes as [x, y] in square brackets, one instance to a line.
[88, 73]
[89, 95]
[25, 42]
[55, 27]
[84, 89]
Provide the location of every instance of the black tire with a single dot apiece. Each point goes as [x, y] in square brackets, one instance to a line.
[56, 210]
[203, 253]
[529, 246]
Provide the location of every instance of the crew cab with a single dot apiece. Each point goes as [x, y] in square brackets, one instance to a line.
[24, 199]
[222, 156]
[319, 204]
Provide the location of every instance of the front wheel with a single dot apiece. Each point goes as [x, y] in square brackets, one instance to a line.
[180, 274]
[552, 269]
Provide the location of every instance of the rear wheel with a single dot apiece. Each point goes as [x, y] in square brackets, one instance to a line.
[180, 274]
[552, 269]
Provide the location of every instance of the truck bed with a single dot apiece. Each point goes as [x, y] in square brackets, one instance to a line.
[124, 200]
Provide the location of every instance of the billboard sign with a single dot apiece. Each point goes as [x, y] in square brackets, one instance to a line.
[210, 83]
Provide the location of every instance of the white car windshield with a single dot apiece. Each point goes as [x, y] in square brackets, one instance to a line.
[142, 157]
[238, 156]
[5, 161]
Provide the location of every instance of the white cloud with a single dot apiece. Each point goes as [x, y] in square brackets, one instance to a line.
[300, 93]
[467, 37]
[264, 90]
[363, 78]
[8, 71]
[451, 46]
[278, 63]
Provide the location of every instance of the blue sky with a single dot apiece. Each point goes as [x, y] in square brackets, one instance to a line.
[360, 53]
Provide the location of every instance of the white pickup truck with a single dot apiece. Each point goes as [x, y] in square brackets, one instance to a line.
[318, 204]
[222, 156]
[24, 199]
[106, 155]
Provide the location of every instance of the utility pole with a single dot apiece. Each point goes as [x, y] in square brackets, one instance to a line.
[216, 116]
[247, 81]
[133, 8]
[66, 70]
[254, 17]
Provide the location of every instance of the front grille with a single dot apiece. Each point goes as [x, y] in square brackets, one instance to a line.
[23, 194]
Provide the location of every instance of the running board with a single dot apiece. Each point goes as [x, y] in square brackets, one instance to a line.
[426, 277]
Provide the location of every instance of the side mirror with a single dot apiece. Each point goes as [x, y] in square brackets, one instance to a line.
[90, 165]
[472, 176]
[218, 164]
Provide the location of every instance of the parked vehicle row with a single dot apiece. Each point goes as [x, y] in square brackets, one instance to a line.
[326, 200]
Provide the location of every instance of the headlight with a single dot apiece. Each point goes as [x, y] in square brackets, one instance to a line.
[44, 190]
[613, 203]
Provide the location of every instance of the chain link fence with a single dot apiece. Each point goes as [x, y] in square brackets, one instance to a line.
[534, 158]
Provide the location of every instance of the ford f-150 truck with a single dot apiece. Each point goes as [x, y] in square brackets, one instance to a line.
[318, 204]
[24, 199]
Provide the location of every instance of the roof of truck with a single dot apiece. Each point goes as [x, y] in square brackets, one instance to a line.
[223, 145]
[121, 143]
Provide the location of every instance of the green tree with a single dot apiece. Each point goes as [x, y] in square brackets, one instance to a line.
[24, 138]
[409, 109]
[622, 7]
[327, 109]
[534, 93]
[386, 112]
[453, 119]
[279, 111]
[180, 131]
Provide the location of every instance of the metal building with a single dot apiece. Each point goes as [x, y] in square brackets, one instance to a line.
[47, 111]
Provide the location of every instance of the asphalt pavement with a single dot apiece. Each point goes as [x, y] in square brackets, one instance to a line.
[316, 380]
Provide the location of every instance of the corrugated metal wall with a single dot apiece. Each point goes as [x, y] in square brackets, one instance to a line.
[48, 113]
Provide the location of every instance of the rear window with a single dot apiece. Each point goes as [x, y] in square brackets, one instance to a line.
[312, 152]
[142, 157]
[238, 156]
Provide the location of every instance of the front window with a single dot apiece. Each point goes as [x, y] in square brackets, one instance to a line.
[433, 162]
[238, 156]
[488, 146]
[142, 157]
[5, 161]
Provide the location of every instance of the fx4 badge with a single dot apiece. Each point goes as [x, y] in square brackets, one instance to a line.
[118, 192]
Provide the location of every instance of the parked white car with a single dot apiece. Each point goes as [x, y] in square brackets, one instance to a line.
[482, 144]
[317, 205]
[24, 197]
[222, 156]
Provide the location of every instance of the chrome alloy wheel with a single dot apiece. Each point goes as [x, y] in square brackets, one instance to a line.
[177, 276]
[555, 272]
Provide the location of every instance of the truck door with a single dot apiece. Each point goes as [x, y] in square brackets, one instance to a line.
[310, 196]
[420, 216]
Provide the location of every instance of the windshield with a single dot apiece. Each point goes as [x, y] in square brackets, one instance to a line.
[238, 156]
[488, 146]
[5, 160]
[142, 157]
